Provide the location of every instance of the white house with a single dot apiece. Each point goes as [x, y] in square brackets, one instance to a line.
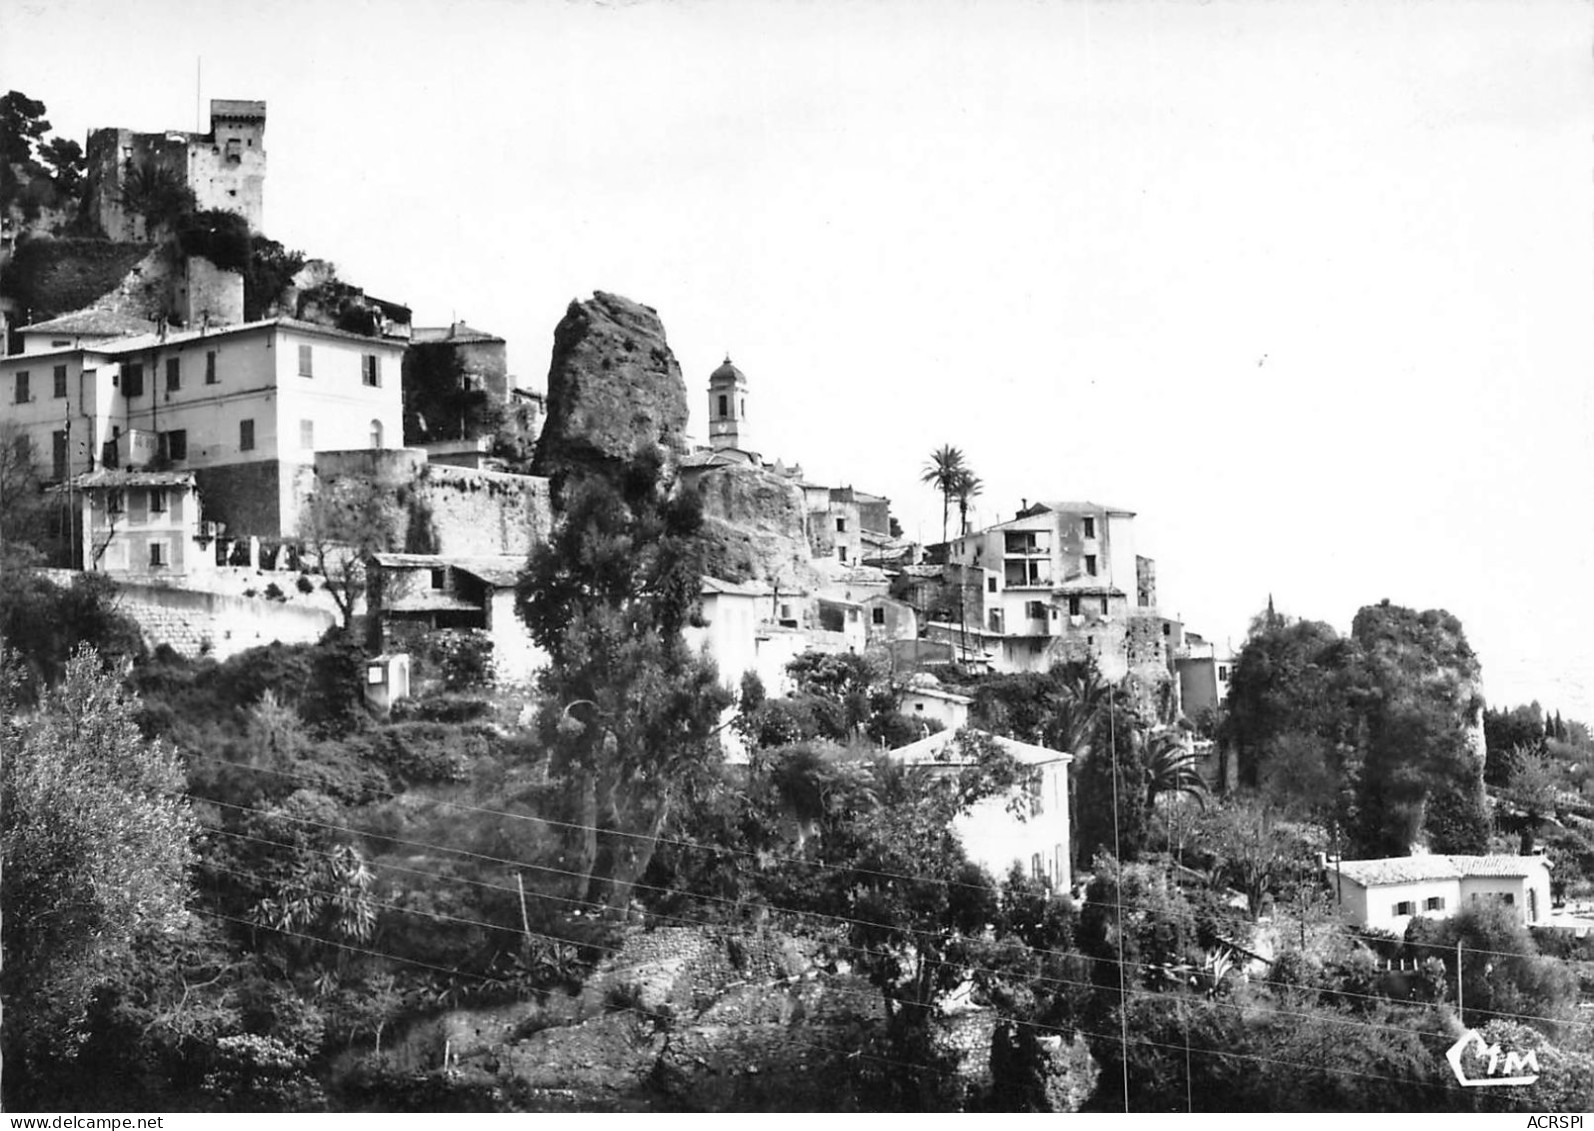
[1036, 836]
[926, 699]
[245, 407]
[1387, 894]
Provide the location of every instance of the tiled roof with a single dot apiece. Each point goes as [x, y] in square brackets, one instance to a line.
[1500, 865]
[928, 751]
[408, 561]
[734, 588]
[501, 571]
[118, 479]
[1087, 584]
[1069, 506]
[92, 323]
[458, 333]
[178, 337]
[938, 693]
[1415, 869]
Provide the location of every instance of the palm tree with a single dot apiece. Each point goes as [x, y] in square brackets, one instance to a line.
[1171, 769]
[1083, 697]
[943, 472]
[968, 485]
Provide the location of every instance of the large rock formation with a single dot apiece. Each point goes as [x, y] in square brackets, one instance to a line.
[613, 385]
[753, 523]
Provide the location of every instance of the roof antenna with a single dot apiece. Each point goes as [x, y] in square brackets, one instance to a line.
[199, 65]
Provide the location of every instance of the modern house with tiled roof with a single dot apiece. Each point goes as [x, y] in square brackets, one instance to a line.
[1387, 894]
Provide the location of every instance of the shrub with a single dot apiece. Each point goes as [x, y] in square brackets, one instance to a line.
[443, 708]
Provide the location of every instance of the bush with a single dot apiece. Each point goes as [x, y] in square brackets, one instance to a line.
[423, 752]
[443, 708]
[896, 730]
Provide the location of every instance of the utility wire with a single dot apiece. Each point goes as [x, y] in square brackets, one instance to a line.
[816, 865]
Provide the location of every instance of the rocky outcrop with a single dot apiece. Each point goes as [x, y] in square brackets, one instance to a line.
[613, 386]
[753, 525]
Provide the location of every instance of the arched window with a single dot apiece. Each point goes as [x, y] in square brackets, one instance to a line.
[376, 433]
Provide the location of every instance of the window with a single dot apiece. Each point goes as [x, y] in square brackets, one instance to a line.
[1035, 610]
[744, 408]
[919, 706]
[210, 367]
[60, 343]
[1090, 564]
[376, 433]
[1104, 607]
[1090, 526]
[1073, 605]
[990, 585]
[174, 374]
[1223, 673]
[1027, 571]
[1509, 899]
[371, 369]
[373, 674]
[58, 454]
[1035, 866]
[841, 553]
[1433, 903]
[175, 444]
[307, 434]
[157, 500]
[996, 620]
[305, 367]
[133, 382]
[438, 576]
[1404, 907]
[114, 502]
[1167, 630]
[60, 380]
[22, 387]
[841, 526]
[852, 614]
[157, 554]
[246, 435]
[725, 409]
[878, 615]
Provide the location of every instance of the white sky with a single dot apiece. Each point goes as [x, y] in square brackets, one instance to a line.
[1305, 285]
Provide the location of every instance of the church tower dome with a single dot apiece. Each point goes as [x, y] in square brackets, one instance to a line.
[727, 408]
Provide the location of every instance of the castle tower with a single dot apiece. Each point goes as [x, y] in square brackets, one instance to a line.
[727, 408]
[227, 167]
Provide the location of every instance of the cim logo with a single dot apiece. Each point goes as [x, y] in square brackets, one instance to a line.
[1498, 1069]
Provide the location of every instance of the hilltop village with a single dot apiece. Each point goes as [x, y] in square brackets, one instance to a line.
[193, 428]
[463, 742]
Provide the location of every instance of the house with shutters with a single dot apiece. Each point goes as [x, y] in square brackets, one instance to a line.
[141, 524]
[243, 408]
[1387, 894]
